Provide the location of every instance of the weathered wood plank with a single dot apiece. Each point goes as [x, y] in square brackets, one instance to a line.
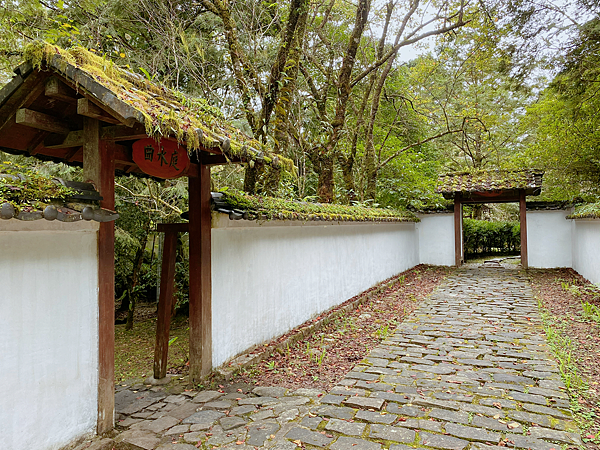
[57, 89]
[173, 227]
[9, 88]
[200, 276]
[41, 121]
[165, 305]
[27, 92]
[457, 231]
[128, 114]
[85, 107]
[123, 133]
[106, 294]
[73, 139]
[218, 160]
[98, 168]
[523, 220]
[206, 269]
[37, 143]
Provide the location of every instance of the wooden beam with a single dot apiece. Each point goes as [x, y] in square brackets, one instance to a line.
[200, 276]
[123, 133]
[173, 227]
[31, 88]
[73, 139]
[98, 168]
[37, 143]
[218, 160]
[57, 89]
[85, 107]
[457, 231]
[72, 154]
[523, 220]
[165, 305]
[41, 121]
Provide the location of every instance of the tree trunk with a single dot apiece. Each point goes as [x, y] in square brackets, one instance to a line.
[282, 108]
[326, 180]
[326, 183]
[250, 176]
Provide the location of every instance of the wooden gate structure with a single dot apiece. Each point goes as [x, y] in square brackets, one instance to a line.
[75, 107]
[493, 186]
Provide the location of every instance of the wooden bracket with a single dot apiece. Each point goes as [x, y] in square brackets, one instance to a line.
[41, 121]
[73, 139]
[87, 108]
[57, 89]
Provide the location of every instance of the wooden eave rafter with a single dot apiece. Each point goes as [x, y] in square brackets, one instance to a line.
[501, 196]
[61, 140]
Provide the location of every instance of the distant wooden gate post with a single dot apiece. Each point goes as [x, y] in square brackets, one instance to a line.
[523, 220]
[165, 304]
[99, 168]
[200, 275]
[457, 231]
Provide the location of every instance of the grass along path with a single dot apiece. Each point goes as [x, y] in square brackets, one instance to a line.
[134, 349]
[570, 308]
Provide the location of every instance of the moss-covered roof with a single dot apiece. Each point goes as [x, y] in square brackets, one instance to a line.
[241, 205]
[588, 211]
[494, 180]
[163, 111]
[28, 195]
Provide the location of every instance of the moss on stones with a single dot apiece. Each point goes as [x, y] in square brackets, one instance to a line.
[166, 112]
[25, 189]
[588, 211]
[270, 208]
[489, 180]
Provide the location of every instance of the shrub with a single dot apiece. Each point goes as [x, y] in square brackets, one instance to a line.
[482, 236]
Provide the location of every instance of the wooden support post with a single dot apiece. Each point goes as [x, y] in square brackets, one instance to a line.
[200, 276]
[165, 305]
[523, 219]
[457, 231]
[98, 167]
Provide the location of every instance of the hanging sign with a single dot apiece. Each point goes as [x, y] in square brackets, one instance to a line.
[161, 159]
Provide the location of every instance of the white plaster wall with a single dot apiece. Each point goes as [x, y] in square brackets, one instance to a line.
[436, 239]
[549, 242]
[48, 334]
[586, 248]
[268, 279]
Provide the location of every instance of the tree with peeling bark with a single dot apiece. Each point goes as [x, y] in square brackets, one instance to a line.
[372, 75]
[468, 92]
[263, 98]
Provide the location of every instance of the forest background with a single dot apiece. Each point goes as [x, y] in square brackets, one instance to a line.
[493, 84]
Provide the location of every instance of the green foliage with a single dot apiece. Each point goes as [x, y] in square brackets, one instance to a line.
[587, 211]
[482, 236]
[34, 190]
[131, 230]
[590, 311]
[267, 208]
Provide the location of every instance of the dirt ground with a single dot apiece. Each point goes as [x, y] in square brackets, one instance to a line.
[321, 360]
[566, 296]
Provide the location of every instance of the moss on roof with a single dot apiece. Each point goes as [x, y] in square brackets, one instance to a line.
[166, 112]
[27, 190]
[489, 180]
[588, 211]
[270, 208]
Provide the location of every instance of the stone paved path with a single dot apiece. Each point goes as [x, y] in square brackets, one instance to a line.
[469, 369]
